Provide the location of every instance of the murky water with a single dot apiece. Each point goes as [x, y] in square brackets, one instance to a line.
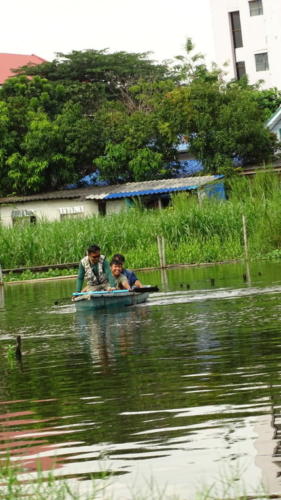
[182, 392]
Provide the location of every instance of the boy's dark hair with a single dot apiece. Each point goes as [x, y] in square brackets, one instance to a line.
[119, 257]
[115, 261]
[93, 249]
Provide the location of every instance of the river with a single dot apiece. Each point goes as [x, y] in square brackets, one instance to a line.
[177, 395]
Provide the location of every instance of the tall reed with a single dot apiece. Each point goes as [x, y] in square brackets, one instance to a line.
[208, 231]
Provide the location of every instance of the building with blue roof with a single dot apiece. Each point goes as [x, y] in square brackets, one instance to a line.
[102, 200]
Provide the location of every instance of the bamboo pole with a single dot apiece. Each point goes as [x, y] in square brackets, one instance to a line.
[245, 237]
[34, 269]
[164, 279]
[1, 276]
[161, 251]
[2, 297]
[246, 249]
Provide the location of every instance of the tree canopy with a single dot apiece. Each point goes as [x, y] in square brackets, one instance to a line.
[123, 114]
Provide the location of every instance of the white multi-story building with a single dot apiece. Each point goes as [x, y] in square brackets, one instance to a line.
[247, 35]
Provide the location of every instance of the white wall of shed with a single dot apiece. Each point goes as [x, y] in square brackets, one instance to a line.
[46, 209]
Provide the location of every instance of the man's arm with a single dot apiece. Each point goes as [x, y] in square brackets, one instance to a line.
[138, 284]
[124, 282]
[132, 278]
[80, 278]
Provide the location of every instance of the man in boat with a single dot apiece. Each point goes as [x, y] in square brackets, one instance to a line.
[95, 269]
[130, 275]
[118, 279]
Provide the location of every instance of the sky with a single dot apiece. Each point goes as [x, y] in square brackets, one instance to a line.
[159, 26]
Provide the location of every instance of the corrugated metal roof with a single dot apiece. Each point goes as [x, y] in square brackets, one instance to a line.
[63, 194]
[152, 187]
[119, 190]
[147, 191]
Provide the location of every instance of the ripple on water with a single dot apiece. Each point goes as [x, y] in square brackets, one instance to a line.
[189, 381]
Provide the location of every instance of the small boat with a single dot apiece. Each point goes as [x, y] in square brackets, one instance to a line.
[112, 299]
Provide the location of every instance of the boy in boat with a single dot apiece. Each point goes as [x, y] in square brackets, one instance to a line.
[118, 279]
[130, 275]
[95, 269]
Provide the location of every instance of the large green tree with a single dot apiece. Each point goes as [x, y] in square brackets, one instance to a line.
[123, 114]
[113, 72]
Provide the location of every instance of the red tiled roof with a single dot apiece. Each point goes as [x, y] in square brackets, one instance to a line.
[8, 62]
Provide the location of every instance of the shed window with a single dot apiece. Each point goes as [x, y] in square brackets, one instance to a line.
[262, 61]
[256, 8]
[23, 217]
[71, 212]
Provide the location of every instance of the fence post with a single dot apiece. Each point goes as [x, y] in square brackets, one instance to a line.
[161, 251]
[164, 279]
[246, 253]
[245, 237]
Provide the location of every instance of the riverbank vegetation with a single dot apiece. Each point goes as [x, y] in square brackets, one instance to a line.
[17, 484]
[195, 231]
[121, 116]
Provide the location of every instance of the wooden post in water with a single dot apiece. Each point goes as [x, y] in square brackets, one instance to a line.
[164, 280]
[246, 253]
[1, 289]
[245, 237]
[161, 251]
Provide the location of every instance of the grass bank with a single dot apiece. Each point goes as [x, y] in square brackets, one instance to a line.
[194, 232]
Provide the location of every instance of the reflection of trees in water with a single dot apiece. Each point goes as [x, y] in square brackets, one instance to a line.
[115, 375]
[110, 335]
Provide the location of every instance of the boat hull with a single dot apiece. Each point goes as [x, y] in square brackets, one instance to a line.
[108, 300]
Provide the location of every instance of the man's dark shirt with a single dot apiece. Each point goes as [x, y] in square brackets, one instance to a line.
[131, 276]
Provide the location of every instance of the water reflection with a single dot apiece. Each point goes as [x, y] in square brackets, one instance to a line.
[110, 335]
[180, 387]
[2, 297]
[164, 280]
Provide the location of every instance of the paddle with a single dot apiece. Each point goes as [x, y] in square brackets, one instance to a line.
[145, 289]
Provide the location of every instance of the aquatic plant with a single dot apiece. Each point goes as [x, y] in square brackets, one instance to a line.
[194, 232]
[17, 484]
[11, 355]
